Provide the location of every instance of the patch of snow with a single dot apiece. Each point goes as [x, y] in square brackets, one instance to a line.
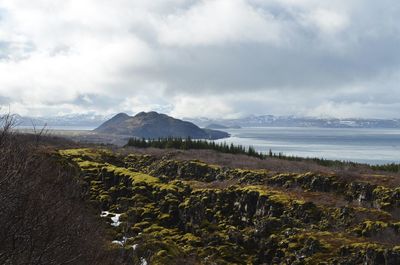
[114, 219]
[143, 261]
[104, 213]
[118, 242]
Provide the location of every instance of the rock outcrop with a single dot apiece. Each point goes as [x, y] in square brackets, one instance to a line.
[189, 212]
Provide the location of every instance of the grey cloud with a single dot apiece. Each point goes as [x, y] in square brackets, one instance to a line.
[304, 61]
[257, 67]
[93, 100]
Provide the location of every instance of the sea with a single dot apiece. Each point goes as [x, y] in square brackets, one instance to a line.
[371, 146]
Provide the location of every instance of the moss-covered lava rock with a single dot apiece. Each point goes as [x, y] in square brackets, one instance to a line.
[163, 211]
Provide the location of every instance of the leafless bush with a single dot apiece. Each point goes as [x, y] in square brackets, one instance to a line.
[43, 215]
[39, 132]
[6, 124]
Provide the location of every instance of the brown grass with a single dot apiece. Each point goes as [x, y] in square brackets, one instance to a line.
[346, 173]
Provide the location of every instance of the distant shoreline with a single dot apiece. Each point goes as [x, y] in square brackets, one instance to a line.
[361, 145]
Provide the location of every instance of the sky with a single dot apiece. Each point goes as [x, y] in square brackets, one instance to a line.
[201, 58]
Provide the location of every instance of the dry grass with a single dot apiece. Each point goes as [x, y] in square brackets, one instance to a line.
[346, 173]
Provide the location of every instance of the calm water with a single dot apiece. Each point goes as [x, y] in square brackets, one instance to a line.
[374, 146]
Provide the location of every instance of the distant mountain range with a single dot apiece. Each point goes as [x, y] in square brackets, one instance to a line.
[293, 121]
[155, 125]
[94, 120]
[78, 120]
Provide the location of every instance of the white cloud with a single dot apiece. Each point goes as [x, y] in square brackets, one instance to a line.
[61, 77]
[211, 22]
[328, 21]
[200, 57]
[210, 106]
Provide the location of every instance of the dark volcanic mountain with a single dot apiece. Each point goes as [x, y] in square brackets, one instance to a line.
[156, 125]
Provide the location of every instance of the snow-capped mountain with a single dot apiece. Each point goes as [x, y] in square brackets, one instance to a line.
[294, 121]
[94, 120]
[87, 120]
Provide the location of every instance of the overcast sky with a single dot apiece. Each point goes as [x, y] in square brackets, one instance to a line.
[191, 58]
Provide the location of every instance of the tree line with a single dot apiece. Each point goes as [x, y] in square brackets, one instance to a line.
[393, 167]
[189, 143]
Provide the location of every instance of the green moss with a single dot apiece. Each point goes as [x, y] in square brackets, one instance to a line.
[74, 152]
[191, 239]
[105, 198]
[176, 209]
[280, 198]
[140, 177]
[164, 217]
[258, 189]
[142, 225]
[86, 153]
[371, 228]
[185, 203]
[89, 164]
[396, 248]
[367, 245]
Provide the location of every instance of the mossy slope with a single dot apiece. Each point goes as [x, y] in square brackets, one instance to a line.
[188, 212]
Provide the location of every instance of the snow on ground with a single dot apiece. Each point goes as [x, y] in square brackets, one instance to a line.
[143, 261]
[114, 219]
[115, 222]
[120, 242]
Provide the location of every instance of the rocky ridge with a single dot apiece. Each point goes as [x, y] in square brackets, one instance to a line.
[189, 212]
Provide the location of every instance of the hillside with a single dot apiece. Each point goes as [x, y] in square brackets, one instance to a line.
[165, 211]
[67, 203]
[155, 125]
[44, 214]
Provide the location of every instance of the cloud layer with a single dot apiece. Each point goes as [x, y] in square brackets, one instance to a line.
[216, 58]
